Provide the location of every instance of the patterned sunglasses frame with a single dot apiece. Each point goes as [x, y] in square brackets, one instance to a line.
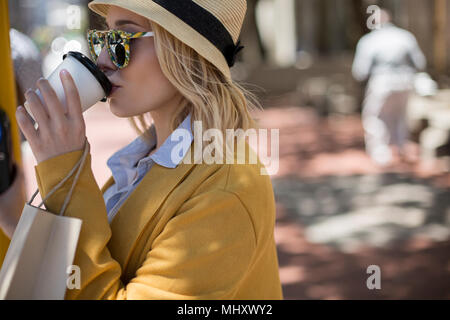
[119, 36]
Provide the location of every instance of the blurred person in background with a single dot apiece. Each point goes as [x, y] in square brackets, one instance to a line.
[388, 57]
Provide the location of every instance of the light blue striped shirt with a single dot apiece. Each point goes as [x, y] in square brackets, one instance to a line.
[128, 166]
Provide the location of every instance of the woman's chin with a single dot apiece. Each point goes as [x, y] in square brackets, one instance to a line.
[117, 109]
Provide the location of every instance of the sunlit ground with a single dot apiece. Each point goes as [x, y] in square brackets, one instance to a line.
[337, 214]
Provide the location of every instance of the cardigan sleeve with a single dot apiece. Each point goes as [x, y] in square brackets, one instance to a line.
[203, 252]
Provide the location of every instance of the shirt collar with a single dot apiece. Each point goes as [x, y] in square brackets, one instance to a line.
[132, 154]
[181, 138]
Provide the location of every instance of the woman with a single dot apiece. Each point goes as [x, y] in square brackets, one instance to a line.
[159, 228]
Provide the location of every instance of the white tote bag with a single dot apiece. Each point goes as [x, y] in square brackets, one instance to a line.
[42, 249]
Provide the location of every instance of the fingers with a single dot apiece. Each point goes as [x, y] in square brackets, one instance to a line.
[72, 95]
[25, 123]
[55, 109]
[37, 108]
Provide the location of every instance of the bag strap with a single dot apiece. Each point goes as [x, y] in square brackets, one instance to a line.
[80, 165]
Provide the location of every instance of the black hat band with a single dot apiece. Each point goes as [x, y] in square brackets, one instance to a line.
[205, 23]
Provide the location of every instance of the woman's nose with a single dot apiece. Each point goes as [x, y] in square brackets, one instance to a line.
[104, 61]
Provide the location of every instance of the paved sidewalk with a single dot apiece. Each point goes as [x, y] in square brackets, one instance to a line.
[337, 213]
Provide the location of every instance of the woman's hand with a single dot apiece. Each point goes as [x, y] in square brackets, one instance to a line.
[58, 132]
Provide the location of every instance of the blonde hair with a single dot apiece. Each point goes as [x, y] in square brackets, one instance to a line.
[218, 102]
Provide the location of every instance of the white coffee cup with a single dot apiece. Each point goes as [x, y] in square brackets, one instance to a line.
[91, 82]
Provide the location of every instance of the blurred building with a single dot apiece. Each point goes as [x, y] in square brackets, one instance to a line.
[305, 48]
[330, 27]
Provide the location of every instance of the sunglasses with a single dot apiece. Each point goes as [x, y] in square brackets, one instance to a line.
[117, 44]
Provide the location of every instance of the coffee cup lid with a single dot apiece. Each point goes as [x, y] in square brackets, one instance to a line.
[92, 67]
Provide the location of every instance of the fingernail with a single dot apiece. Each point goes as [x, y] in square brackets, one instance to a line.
[64, 72]
[19, 111]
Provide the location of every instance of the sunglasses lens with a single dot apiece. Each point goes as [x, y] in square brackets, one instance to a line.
[119, 51]
[117, 46]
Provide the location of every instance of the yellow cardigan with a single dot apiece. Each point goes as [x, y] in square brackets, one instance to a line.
[197, 231]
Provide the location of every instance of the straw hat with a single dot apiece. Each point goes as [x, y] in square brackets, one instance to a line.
[210, 27]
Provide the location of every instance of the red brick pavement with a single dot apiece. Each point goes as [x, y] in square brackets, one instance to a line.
[311, 147]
